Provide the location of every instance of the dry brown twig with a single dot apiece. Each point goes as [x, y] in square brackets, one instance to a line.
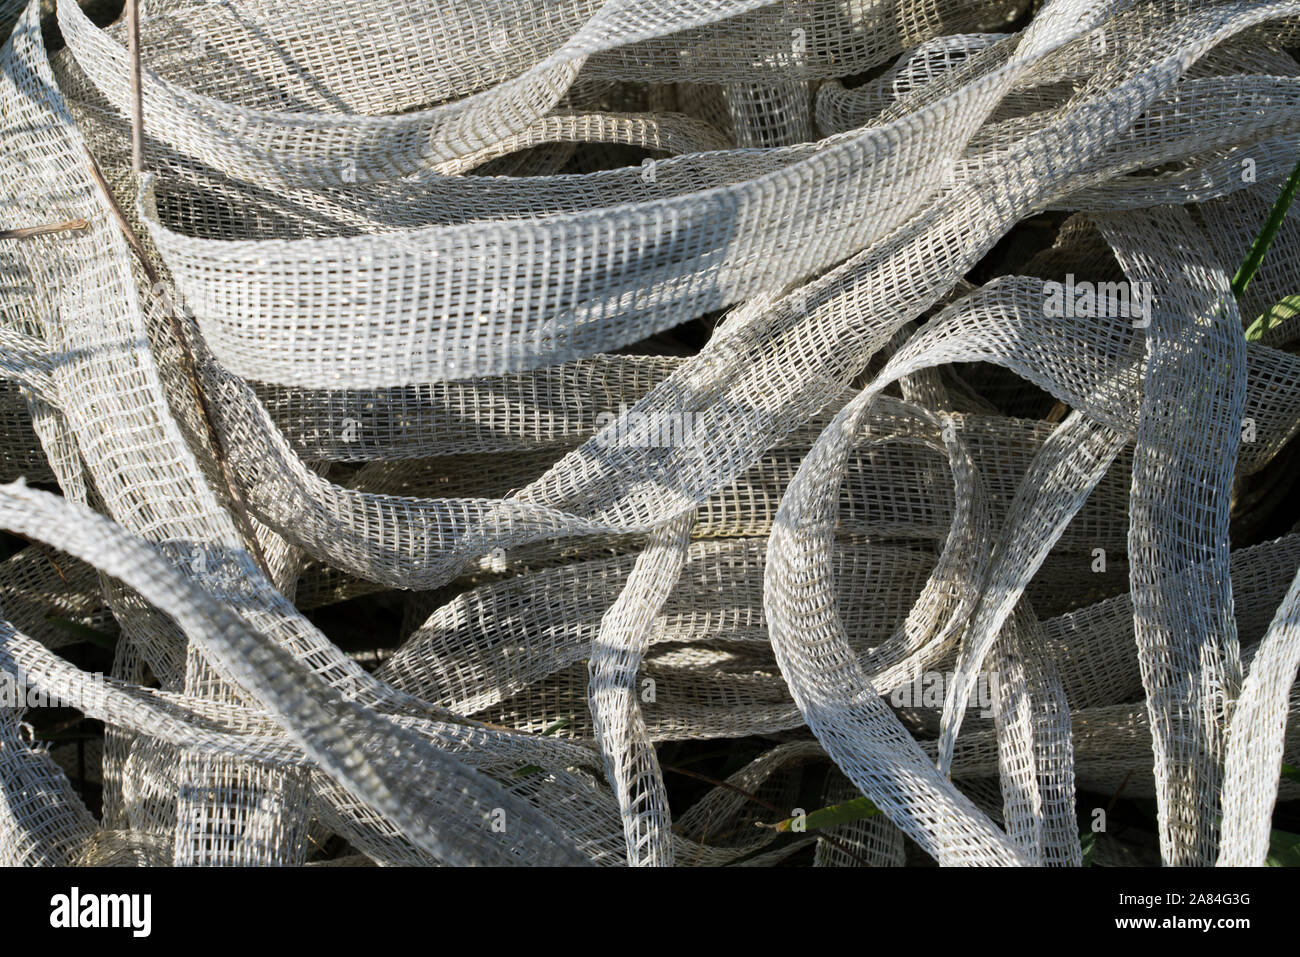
[30, 232]
[189, 370]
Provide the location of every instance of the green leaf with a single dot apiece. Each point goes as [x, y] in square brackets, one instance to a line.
[1283, 846]
[836, 814]
[1278, 313]
[1283, 849]
[562, 723]
[84, 632]
[1089, 844]
[1250, 265]
[529, 769]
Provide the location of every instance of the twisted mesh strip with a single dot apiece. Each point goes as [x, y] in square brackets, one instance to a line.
[409, 275]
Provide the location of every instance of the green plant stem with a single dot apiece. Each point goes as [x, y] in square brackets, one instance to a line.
[1250, 265]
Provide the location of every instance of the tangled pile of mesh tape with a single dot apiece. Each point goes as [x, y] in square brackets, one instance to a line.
[374, 319]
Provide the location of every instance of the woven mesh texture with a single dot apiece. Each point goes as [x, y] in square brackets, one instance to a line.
[673, 371]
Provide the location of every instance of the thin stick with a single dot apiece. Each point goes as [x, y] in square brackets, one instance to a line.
[828, 838]
[137, 95]
[725, 785]
[29, 231]
[189, 370]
